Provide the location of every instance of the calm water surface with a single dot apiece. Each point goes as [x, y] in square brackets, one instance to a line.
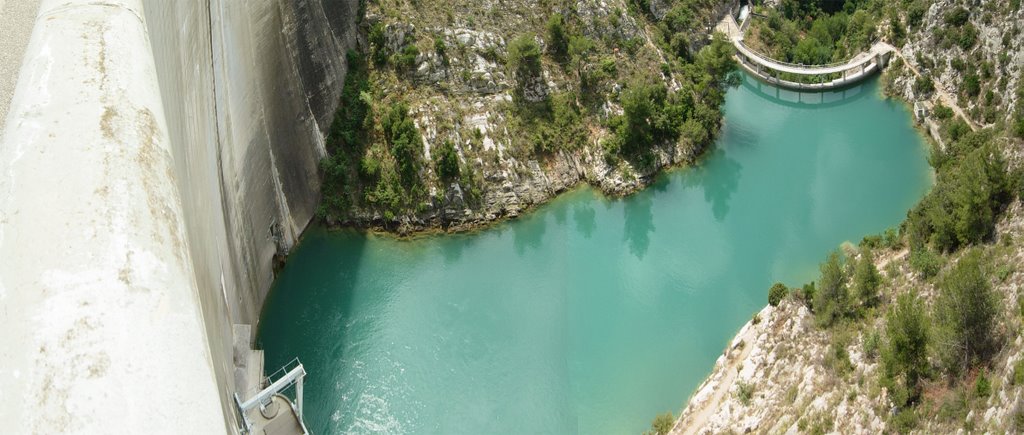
[591, 315]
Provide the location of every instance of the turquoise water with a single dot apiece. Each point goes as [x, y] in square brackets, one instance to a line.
[591, 315]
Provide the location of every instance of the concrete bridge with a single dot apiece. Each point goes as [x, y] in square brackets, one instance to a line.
[822, 77]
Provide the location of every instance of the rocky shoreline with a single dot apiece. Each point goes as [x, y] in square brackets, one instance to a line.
[519, 188]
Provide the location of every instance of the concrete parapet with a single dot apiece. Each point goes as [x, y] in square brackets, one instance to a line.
[157, 155]
[102, 325]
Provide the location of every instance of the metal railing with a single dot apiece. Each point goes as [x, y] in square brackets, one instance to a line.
[289, 375]
[768, 59]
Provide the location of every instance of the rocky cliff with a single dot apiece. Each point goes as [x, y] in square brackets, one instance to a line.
[518, 140]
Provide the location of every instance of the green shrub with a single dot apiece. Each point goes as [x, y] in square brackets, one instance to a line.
[923, 85]
[925, 262]
[440, 47]
[965, 313]
[957, 17]
[904, 357]
[524, 59]
[405, 141]
[378, 44]
[838, 356]
[1004, 271]
[872, 343]
[405, 60]
[745, 392]
[982, 386]
[776, 293]
[942, 112]
[558, 40]
[904, 421]
[1018, 372]
[866, 279]
[807, 294]
[831, 298]
[968, 37]
[446, 162]
[662, 424]
[915, 14]
[972, 85]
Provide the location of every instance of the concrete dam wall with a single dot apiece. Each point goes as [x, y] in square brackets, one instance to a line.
[156, 156]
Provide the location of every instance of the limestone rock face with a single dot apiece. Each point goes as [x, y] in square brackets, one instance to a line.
[996, 46]
[535, 90]
[462, 90]
[397, 35]
[660, 8]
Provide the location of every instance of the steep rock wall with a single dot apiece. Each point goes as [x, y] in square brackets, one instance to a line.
[157, 155]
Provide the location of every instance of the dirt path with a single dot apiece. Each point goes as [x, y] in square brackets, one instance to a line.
[691, 422]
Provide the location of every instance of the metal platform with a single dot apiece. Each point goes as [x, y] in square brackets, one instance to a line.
[269, 411]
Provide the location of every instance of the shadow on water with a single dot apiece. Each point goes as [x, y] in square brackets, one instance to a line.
[806, 99]
[718, 181]
[454, 245]
[639, 222]
[559, 212]
[585, 216]
[528, 232]
[341, 253]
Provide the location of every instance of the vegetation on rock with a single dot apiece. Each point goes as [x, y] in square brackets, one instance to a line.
[442, 110]
[776, 293]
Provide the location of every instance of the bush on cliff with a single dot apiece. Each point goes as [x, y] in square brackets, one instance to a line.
[662, 424]
[558, 38]
[904, 356]
[446, 162]
[866, 279]
[524, 61]
[405, 141]
[346, 139]
[776, 293]
[831, 297]
[965, 312]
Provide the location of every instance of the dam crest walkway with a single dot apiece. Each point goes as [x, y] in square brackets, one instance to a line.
[823, 77]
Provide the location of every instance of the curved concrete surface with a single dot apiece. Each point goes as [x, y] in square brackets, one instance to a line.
[157, 155]
[16, 19]
[102, 331]
[862, 60]
[854, 70]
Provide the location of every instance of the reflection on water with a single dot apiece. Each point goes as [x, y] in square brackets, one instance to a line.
[820, 99]
[583, 214]
[639, 224]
